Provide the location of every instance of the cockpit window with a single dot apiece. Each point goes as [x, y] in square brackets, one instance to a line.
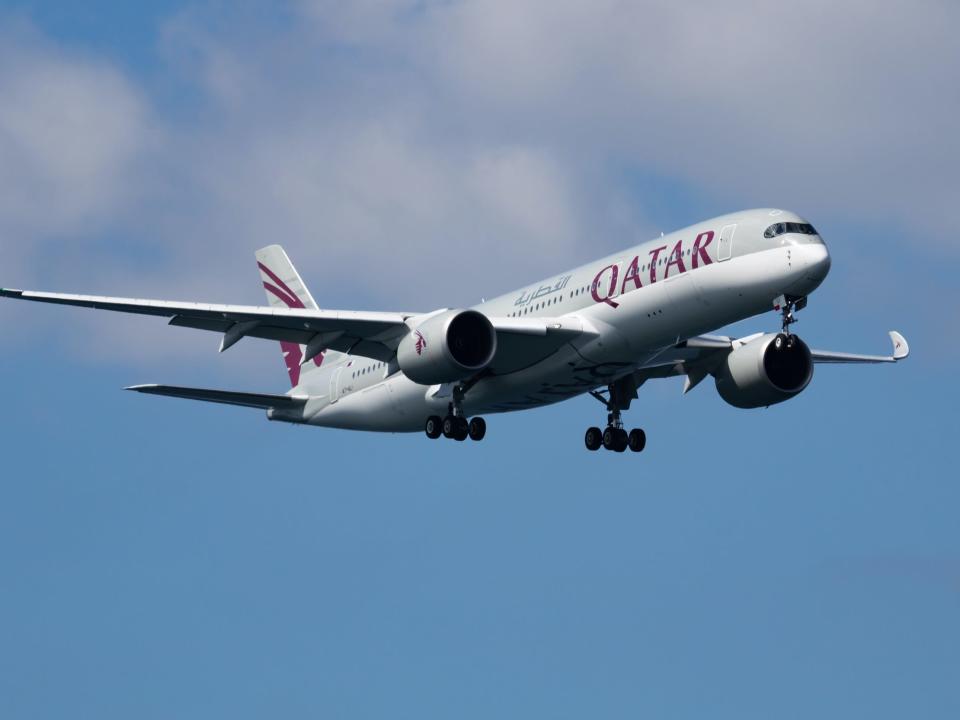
[789, 227]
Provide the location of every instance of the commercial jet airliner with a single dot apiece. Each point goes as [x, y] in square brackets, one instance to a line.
[604, 328]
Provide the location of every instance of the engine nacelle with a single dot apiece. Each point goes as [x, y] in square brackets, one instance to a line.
[765, 371]
[449, 346]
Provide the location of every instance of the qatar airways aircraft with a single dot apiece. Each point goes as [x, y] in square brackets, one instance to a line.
[607, 326]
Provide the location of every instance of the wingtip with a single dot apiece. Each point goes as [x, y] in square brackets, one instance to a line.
[9, 292]
[900, 347]
[140, 388]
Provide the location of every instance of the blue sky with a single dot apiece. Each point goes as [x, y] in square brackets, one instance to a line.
[166, 559]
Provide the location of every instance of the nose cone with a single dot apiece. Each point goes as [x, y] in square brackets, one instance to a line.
[817, 259]
[813, 262]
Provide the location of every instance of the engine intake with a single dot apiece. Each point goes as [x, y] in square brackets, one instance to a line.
[448, 346]
[765, 371]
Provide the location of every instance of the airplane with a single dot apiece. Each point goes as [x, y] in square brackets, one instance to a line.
[604, 328]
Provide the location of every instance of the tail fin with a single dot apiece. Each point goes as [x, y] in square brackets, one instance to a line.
[282, 281]
[285, 288]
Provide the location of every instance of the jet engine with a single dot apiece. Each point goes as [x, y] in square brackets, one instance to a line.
[449, 346]
[765, 371]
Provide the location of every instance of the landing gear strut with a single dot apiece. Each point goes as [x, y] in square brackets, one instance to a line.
[614, 437]
[786, 304]
[455, 424]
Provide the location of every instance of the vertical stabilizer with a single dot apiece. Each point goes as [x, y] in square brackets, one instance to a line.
[285, 289]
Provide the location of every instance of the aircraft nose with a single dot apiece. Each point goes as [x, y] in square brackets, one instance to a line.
[817, 260]
[811, 263]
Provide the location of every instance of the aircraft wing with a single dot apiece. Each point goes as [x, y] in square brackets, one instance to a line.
[700, 355]
[900, 351]
[369, 334]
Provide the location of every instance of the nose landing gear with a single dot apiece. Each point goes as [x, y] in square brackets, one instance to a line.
[786, 304]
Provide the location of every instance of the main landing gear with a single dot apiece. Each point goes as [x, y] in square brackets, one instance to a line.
[455, 424]
[614, 437]
[455, 427]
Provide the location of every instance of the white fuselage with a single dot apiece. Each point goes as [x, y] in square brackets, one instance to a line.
[631, 305]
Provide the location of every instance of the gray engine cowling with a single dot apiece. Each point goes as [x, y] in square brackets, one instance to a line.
[449, 346]
[765, 371]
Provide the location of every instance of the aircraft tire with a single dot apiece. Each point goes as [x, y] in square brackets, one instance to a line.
[615, 439]
[433, 427]
[477, 429]
[610, 438]
[449, 426]
[622, 441]
[637, 440]
[593, 439]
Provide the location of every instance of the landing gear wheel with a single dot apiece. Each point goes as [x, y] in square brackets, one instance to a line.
[449, 427]
[593, 439]
[433, 427]
[477, 429]
[779, 341]
[461, 430]
[621, 440]
[637, 440]
[615, 439]
[609, 438]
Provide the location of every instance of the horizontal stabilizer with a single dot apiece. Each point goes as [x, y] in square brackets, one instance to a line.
[254, 400]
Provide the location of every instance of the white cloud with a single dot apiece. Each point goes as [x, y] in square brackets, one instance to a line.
[412, 154]
[71, 132]
[839, 108]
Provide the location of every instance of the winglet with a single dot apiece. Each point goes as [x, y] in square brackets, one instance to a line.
[900, 347]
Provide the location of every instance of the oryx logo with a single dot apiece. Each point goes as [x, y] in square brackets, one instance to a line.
[421, 342]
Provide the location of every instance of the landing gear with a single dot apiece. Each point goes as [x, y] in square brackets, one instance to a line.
[787, 304]
[615, 437]
[455, 424]
[455, 427]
